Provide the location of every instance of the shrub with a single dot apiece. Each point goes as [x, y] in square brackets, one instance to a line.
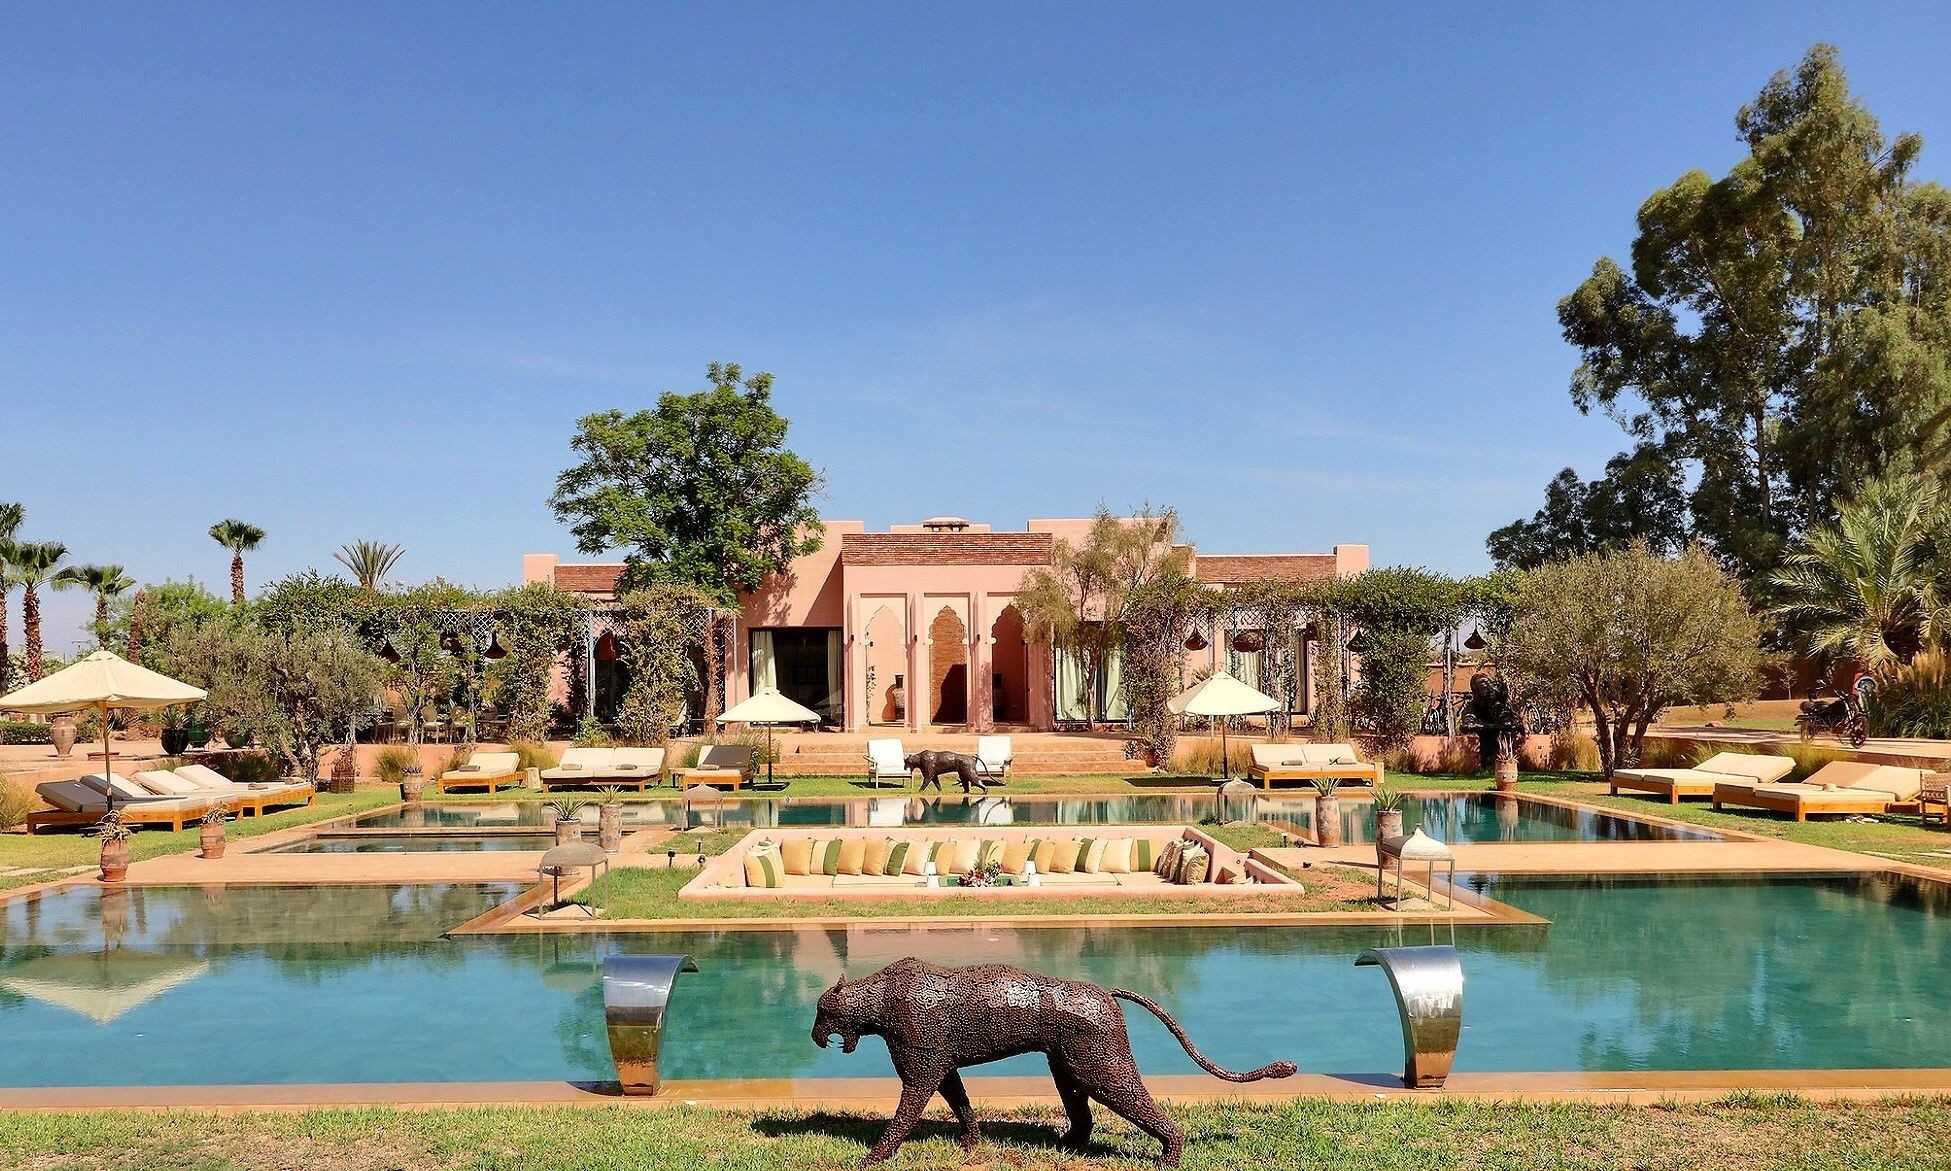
[393, 761]
[22, 732]
[1450, 756]
[533, 754]
[249, 767]
[17, 800]
[1573, 751]
[1200, 757]
[1915, 701]
[590, 734]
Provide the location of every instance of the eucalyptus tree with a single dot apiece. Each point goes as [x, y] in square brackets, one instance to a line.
[240, 538]
[105, 582]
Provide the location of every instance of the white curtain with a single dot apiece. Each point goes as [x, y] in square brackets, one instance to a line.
[1113, 685]
[765, 666]
[836, 678]
[1071, 702]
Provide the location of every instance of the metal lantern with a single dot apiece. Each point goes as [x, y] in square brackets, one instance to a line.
[1196, 642]
[1249, 642]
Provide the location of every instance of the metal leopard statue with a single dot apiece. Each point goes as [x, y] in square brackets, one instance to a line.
[937, 1020]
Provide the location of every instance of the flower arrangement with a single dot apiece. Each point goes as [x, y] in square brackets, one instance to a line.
[983, 874]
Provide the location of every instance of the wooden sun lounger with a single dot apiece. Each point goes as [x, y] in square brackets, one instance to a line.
[1802, 800]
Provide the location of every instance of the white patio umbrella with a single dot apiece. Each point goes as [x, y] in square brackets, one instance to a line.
[1219, 696]
[768, 708]
[101, 681]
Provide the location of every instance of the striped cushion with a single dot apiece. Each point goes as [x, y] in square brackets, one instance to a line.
[1144, 855]
[897, 858]
[1083, 854]
[991, 854]
[762, 867]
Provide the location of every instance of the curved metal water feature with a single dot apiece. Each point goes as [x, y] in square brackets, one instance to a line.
[635, 992]
[1428, 984]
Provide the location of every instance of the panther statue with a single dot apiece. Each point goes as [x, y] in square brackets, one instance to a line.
[932, 764]
[937, 1020]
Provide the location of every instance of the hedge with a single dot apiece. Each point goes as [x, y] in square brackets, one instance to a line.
[22, 732]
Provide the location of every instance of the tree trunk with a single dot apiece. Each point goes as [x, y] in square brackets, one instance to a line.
[1602, 733]
[30, 625]
[6, 653]
[237, 578]
[101, 621]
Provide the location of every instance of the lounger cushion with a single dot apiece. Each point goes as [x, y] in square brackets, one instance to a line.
[1671, 775]
[1901, 784]
[167, 784]
[71, 796]
[495, 764]
[639, 760]
[1748, 764]
[1330, 754]
[1815, 796]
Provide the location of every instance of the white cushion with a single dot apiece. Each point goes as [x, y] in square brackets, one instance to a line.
[649, 760]
[494, 763]
[993, 751]
[167, 784]
[886, 756]
[205, 778]
[1276, 755]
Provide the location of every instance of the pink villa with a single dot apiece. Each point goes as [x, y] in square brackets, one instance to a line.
[914, 627]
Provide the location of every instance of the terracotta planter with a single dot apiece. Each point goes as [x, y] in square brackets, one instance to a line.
[1507, 773]
[413, 782]
[568, 831]
[1327, 820]
[115, 860]
[345, 773]
[609, 828]
[61, 733]
[212, 839]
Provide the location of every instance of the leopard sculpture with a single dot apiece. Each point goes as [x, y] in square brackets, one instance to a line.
[936, 1020]
[933, 764]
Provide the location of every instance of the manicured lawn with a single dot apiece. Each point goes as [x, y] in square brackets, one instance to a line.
[1740, 1134]
[636, 893]
[1089, 784]
[45, 853]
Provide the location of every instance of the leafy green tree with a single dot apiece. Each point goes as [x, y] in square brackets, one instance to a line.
[664, 627]
[1783, 332]
[701, 490]
[1864, 589]
[1628, 634]
[149, 623]
[106, 583]
[1398, 613]
[1641, 497]
[32, 565]
[539, 621]
[240, 538]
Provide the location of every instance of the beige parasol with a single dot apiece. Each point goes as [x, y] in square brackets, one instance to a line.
[102, 681]
[1221, 696]
[769, 708]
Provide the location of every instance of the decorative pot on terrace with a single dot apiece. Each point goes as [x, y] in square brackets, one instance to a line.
[1388, 824]
[115, 859]
[61, 734]
[413, 781]
[609, 828]
[567, 830]
[212, 840]
[1327, 820]
[176, 741]
[238, 739]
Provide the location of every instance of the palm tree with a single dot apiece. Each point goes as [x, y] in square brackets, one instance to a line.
[369, 561]
[34, 565]
[239, 538]
[1860, 589]
[103, 581]
[11, 516]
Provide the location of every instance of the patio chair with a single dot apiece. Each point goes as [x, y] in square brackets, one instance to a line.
[1839, 787]
[197, 780]
[84, 801]
[1305, 762]
[886, 761]
[487, 771]
[721, 764]
[993, 756]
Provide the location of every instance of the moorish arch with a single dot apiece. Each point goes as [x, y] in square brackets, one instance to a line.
[948, 668]
[886, 667]
[1009, 664]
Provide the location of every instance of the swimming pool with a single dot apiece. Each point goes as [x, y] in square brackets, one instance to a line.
[188, 986]
[326, 843]
[1486, 817]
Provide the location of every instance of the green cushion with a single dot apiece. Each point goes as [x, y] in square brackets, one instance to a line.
[896, 858]
[830, 865]
[769, 866]
[1143, 855]
[1083, 850]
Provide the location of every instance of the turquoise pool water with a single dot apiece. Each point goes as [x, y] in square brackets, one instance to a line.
[353, 984]
[416, 844]
[1475, 817]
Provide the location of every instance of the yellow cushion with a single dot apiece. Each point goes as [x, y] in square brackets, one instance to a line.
[919, 855]
[991, 854]
[853, 852]
[963, 858]
[1116, 857]
[1093, 856]
[1063, 856]
[1015, 856]
[796, 854]
[1193, 867]
[762, 866]
[876, 860]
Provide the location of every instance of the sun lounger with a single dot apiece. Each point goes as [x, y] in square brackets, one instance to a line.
[486, 771]
[1735, 769]
[1840, 787]
[623, 767]
[1305, 762]
[197, 780]
[721, 764]
[886, 762]
[84, 801]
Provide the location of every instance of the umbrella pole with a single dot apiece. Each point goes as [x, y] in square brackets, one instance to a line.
[108, 762]
[1225, 764]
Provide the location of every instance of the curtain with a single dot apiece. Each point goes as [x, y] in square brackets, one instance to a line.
[765, 665]
[836, 678]
[1112, 686]
[1071, 703]
[1303, 671]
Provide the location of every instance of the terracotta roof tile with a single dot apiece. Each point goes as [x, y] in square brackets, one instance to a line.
[945, 548]
[1232, 570]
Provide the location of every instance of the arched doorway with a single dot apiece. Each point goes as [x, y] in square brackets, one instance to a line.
[1010, 666]
[948, 668]
[886, 683]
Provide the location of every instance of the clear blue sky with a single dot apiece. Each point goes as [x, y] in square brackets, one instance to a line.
[354, 271]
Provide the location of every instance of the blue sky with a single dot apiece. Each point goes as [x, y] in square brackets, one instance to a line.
[353, 271]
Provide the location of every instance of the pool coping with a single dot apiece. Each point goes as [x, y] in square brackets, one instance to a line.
[880, 1094]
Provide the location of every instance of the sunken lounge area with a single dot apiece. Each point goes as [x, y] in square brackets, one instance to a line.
[1111, 860]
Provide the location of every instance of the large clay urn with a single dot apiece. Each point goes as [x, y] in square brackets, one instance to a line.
[1327, 819]
[413, 781]
[609, 828]
[1388, 824]
[567, 830]
[1507, 772]
[61, 733]
[115, 859]
[212, 840]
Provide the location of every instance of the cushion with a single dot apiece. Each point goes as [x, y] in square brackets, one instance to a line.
[167, 784]
[1090, 858]
[762, 867]
[1193, 866]
[876, 860]
[796, 855]
[830, 857]
[897, 857]
[1083, 852]
[1144, 854]
[1168, 859]
[991, 853]
[1016, 856]
[919, 855]
[203, 774]
[1063, 856]
[1748, 764]
[961, 856]
[1116, 857]
[853, 852]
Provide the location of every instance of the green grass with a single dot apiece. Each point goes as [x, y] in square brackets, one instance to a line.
[44, 854]
[637, 893]
[1738, 1134]
[1080, 784]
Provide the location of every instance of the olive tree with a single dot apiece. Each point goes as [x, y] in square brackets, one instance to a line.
[1628, 633]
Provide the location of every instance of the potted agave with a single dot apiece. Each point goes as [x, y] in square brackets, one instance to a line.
[413, 781]
[565, 815]
[115, 834]
[609, 819]
[1388, 816]
[1327, 811]
[211, 835]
